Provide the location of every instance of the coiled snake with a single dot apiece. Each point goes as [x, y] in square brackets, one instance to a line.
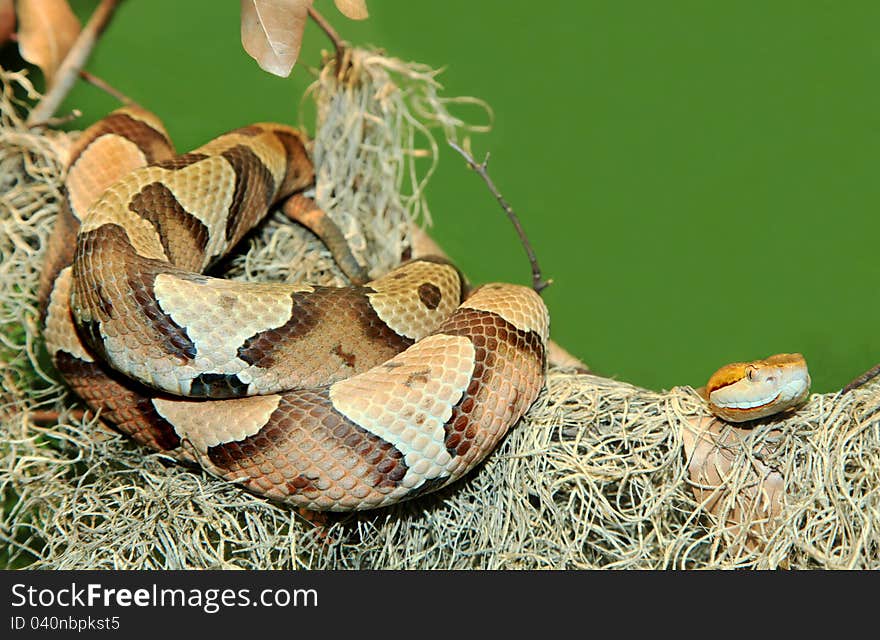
[325, 398]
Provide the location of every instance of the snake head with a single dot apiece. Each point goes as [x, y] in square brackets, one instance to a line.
[744, 391]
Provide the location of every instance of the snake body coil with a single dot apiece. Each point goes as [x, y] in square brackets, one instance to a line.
[326, 398]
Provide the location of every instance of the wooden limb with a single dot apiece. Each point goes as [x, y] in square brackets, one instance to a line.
[306, 212]
[559, 357]
[73, 63]
[538, 283]
[338, 43]
[863, 379]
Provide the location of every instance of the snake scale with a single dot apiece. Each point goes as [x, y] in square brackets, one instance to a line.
[330, 399]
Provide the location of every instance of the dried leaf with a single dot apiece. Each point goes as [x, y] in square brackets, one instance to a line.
[7, 21]
[272, 31]
[741, 496]
[353, 9]
[47, 31]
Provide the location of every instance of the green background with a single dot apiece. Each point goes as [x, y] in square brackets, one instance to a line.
[698, 178]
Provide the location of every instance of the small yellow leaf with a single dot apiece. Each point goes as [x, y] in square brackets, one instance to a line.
[47, 31]
[272, 31]
[353, 9]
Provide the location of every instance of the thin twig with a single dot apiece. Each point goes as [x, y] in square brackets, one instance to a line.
[74, 61]
[338, 43]
[538, 283]
[57, 121]
[106, 87]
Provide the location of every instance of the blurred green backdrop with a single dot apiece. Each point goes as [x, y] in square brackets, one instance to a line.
[698, 178]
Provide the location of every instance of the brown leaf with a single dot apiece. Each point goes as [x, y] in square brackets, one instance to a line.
[750, 496]
[47, 31]
[7, 21]
[353, 9]
[272, 31]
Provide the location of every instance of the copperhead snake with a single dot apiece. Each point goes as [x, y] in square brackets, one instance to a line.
[325, 398]
[744, 391]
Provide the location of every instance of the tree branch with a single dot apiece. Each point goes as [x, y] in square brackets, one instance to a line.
[338, 43]
[73, 63]
[104, 86]
[538, 283]
[863, 379]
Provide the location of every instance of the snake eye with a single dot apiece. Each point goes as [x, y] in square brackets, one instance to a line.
[750, 373]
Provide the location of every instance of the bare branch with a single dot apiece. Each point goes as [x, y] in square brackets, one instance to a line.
[106, 87]
[863, 379]
[338, 43]
[58, 120]
[73, 63]
[538, 283]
